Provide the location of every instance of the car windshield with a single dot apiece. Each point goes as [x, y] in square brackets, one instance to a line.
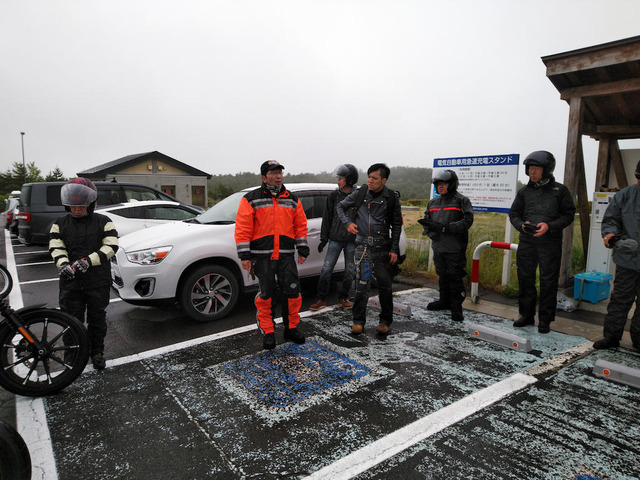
[222, 212]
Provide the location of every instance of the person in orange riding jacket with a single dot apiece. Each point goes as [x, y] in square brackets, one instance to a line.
[270, 226]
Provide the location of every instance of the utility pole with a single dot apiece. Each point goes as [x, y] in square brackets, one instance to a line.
[24, 167]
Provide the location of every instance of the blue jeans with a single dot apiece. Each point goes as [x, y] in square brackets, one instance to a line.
[334, 249]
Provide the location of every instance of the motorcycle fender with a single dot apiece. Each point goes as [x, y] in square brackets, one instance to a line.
[30, 307]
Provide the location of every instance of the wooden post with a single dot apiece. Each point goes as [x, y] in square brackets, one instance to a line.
[618, 167]
[602, 169]
[570, 179]
[583, 202]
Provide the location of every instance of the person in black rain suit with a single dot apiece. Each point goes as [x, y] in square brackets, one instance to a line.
[621, 231]
[447, 221]
[81, 245]
[541, 210]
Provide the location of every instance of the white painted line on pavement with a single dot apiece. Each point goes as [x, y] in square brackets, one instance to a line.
[15, 297]
[180, 346]
[386, 447]
[196, 341]
[31, 419]
[42, 280]
[31, 252]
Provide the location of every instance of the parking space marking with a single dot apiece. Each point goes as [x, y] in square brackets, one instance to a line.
[15, 297]
[40, 281]
[31, 419]
[386, 447]
[35, 263]
[27, 253]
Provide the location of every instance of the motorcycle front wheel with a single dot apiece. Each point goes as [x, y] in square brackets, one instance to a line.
[26, 371]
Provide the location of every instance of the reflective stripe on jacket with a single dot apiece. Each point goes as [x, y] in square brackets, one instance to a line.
[455, 211]
[93, 236]
[268, 225]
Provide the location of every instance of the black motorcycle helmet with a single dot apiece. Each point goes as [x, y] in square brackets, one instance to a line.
[447, 176]
[347, 171]
[540, 158]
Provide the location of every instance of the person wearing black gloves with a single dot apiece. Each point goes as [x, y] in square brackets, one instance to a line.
[81, 245]
[620, 230]
[446, 222]
[334, 234]
[541, 210]
[377, 226]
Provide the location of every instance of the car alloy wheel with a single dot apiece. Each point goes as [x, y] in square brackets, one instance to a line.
[209, 293]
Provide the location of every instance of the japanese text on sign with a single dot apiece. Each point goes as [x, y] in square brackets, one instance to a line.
[489, 181]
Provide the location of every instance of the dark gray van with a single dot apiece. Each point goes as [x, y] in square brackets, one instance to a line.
[40, 205]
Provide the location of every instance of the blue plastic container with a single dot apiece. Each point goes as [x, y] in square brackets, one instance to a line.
[595, 286]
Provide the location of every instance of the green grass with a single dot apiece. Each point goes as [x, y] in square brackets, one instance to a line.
[486, 227]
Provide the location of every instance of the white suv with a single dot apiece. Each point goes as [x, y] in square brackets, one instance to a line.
[195, 263]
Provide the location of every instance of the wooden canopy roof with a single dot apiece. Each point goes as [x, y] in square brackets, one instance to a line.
[607, 78]
[602, 86]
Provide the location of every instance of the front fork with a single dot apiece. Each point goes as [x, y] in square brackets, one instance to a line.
[12, 318]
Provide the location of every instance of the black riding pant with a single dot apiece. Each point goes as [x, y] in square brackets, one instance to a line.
[626, 290]
[278, 280]
[451, 270]
[94, 302]
[547, 257]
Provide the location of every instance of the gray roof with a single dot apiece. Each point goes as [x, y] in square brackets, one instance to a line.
[115, 166]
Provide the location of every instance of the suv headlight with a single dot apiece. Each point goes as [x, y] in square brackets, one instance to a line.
[150, 256]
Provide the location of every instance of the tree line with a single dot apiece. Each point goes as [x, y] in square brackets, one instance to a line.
[411, 182]
[18, 174]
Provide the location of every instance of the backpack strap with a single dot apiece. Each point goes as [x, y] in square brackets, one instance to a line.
[362, 193]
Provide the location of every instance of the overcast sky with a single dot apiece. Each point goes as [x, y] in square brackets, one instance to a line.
[224, 85]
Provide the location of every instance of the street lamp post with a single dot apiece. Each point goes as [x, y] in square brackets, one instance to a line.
[24, 168]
